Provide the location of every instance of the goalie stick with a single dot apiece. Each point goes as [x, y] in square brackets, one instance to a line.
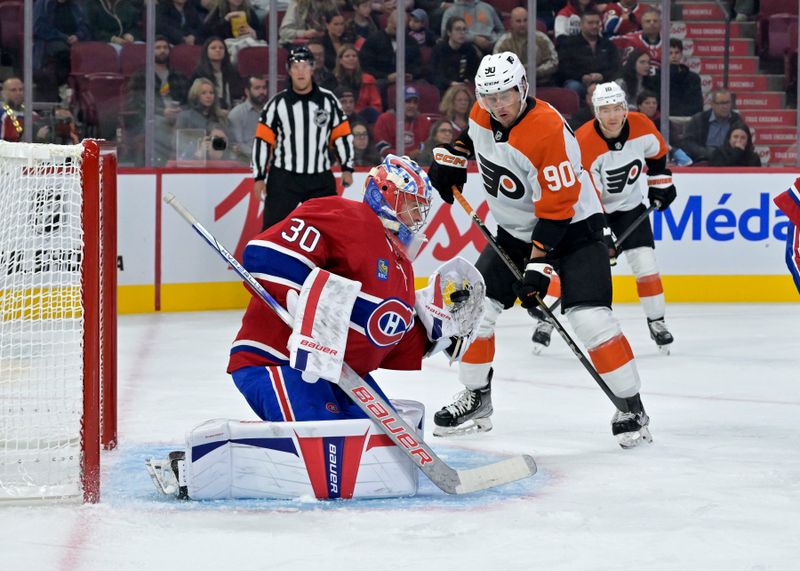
[446, 478]
[618, 402]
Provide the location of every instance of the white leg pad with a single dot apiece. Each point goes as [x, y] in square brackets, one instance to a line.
[473, 376]
[339, 459]
[596, 326]
[491, 311]
[642, 262]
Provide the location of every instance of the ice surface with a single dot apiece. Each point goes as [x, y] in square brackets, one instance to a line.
[718, 489]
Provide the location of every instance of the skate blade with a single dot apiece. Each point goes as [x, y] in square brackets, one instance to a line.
[163, 478]
[470, 427]
[537, 348]
[635, 438]
[664, 349]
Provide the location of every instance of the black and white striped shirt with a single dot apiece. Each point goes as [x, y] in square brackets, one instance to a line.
[299, 129]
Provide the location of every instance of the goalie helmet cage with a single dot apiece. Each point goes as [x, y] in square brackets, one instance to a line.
[58, 260]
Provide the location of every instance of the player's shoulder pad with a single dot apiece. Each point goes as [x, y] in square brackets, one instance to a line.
[640, 124]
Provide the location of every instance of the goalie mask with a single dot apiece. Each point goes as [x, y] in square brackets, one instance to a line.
[501, 81]
[399, 192]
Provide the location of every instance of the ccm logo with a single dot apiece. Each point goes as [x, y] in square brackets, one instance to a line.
[450, 159]
[318, 347]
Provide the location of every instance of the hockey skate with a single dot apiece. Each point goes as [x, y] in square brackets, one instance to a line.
[469, 412]
[660, 334]
[631, 428]
[167, 475]
[541, 336]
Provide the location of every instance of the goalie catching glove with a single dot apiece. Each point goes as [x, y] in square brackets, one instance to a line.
[321, 323]
[451, 306]
[449, 169]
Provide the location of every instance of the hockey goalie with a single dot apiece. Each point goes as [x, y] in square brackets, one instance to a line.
[343, 269]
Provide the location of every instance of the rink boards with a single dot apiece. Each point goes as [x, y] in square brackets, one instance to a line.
[721, 241]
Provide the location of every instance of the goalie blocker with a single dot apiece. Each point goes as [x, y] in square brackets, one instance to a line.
[342, 459]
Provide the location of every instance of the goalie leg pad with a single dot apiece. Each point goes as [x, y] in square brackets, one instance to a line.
[228, 459]
[648, 281]
[609, 350]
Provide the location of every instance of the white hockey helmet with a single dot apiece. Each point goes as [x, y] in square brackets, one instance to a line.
[498, 73]
[608, 94]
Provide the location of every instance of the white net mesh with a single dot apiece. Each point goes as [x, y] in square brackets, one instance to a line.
[41, 320]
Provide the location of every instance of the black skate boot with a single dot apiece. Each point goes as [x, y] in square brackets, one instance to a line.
[541, 336]
[631, 428]
[168, 475]
[660, 334]
[469, 412]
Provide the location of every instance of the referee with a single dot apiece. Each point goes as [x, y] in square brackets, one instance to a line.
[296, 129]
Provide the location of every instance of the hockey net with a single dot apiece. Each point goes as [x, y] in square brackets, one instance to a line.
[57, 318]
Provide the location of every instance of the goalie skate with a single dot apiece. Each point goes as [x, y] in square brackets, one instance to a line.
[660, 334]
[631, 428]
[469, 412]
[167, 474]
[541, 336]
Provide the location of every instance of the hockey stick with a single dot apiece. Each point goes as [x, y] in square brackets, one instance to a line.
[446, 478]
[618, 402]
[628, 231]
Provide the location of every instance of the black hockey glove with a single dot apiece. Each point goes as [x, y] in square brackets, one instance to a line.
[449, 169]
[661, 191]
[536, 280]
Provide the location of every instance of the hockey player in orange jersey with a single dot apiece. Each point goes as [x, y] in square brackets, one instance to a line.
[615, 148]
[549, 217]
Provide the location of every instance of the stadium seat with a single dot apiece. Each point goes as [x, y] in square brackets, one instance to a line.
[132, 58]
[93, 57]
[11, 28]
[253, 60]
[770, 7]
[428, 96]
[779, 40]
[101, 98]
[564, 100]
[184, 58]
[505, 6]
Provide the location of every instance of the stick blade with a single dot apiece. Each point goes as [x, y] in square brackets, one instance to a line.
[497, 474]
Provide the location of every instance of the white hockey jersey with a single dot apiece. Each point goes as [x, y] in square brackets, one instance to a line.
[616, 165]
[532, 170]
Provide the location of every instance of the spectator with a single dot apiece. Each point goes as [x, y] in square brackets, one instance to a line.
[366, 155]
[377, 56]
[57, 26]
[435, 9]
[304, 20]
[235, 22]
[243, 118]
[737, 150]
[587, 57]
[203, 114]
[568, 19]
[117, 22]
[215, 65]
[685, 90]
[418, 28]
[333, 39]
[415, 132]
[648, 39]
[12, 113]
[516, 41]
[455, 59]
[708, 130]
[441, 134]
[323, 76]
[623, 17]
[361, 25]
[363, 86]
[745, 9]
[647, 104]
[179, 22]
[635, 77]
[483, 24]
[172, 90]
[585, 113]
[455, 106]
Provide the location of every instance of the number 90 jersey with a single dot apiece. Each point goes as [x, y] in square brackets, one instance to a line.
[616, 165]
[531, 170]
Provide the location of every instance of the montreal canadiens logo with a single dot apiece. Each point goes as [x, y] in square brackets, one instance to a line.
[389, 322]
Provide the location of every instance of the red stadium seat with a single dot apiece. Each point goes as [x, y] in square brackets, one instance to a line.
[184, 58]
[132, 58]
[253, 60]
[564, 100]
[505, 6]
[93, 57]
[11, 28]
[770, 7]
[780, 35]
[101, 99]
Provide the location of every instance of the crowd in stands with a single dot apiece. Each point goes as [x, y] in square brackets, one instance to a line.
[209, 111]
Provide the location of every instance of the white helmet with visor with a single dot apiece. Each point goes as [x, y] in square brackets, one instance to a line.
[497, 76]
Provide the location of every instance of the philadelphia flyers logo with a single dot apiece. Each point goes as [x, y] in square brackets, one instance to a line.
[617, 179]
[389, 322]
[498, 179]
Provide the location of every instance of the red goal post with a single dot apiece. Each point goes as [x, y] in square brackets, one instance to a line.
[58, 261]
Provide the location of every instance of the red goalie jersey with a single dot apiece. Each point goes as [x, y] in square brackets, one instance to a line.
[346, 238]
